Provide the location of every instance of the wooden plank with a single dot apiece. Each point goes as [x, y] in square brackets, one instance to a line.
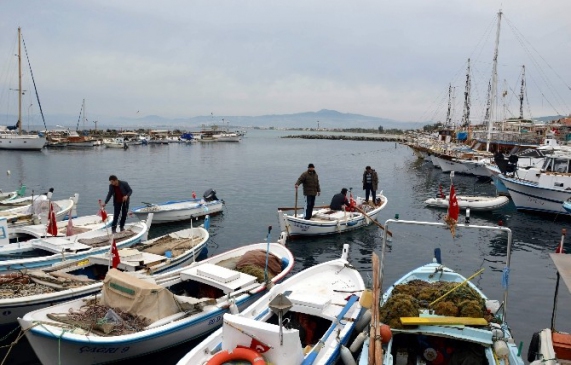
[443, 321]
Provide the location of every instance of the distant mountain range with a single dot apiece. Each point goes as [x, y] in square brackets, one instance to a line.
[323, 119]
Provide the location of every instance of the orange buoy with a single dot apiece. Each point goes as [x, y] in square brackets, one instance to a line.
[239, 353]
[386, 333]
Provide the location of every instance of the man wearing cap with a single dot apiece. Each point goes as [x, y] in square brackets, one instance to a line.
[370, 183]
[311, 188]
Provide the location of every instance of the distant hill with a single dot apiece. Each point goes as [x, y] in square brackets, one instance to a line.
[325, 118]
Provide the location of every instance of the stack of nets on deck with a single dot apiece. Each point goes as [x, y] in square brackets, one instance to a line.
[408, 299]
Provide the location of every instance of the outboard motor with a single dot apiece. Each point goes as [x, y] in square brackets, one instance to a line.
[209, 195]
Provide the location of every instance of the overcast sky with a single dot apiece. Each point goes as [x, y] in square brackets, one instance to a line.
[389, 59]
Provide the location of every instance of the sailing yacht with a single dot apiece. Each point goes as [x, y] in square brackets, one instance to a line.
[9, 139]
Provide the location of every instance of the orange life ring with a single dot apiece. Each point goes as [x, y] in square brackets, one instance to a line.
[239, 353]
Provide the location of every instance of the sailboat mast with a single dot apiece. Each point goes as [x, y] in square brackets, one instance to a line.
[19, 81]
[83, 114]
[522, 92]
[466, 114]
[448, 118]
[494, 83]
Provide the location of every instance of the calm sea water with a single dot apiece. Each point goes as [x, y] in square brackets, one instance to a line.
[257, 175]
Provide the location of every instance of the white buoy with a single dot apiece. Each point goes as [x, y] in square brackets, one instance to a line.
[233, 307]
[501, 348]
[358, 342]
[8, 172]
[363, 321]
[347, 356]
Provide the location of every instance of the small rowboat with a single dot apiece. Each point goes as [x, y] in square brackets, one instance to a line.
[182, 210]
[474, 203]
[325, 221]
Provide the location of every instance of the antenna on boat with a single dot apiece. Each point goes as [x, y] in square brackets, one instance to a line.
[266, 276]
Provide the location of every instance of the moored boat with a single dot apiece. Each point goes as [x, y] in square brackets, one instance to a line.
[178, 307]
[307, 319]
[474, 203]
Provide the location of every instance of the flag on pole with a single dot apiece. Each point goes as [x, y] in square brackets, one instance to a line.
[102, 212]
[69, 228]
[52, 223]
[115, 259]
[453, 211]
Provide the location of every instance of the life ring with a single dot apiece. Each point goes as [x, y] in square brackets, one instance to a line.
[239, 353]
[533, 347]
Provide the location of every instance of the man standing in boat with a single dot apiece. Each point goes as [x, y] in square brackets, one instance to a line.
[120, 191]
[370, 183]
[311, 188]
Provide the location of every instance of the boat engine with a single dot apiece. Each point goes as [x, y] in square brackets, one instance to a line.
[209, 195]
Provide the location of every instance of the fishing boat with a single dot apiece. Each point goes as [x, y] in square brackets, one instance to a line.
[6, 197]
[43, 252]
[474, 203]
[145, 317]
[26, 291]
[567, 205]
[182, 210]
[325, 221]
[118, 142]
[549, 346]
[307, 319]
[9, 140]
[435, 315]
[37, 212]
[68, 227]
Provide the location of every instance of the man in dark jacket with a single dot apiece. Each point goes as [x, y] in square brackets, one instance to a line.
[311, 188]
[339, 200]
[370, 183]
[120, 191]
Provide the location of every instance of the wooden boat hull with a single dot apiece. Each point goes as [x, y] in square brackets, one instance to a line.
[323, 222]
[179, 210]
[53, 344]
[321, 290]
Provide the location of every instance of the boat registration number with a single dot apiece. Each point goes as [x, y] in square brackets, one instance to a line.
[103, 350]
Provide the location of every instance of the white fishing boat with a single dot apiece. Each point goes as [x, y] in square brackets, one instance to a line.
[434, 315]
[227, 137]
[44, 252]
[550, 346]
[6, 197]
[325, 221]
[26, 291]
[9, 140]
[182, 210]
[37, 212]
[177, 307]
[66, 227]
[307, 319]
[474, 203]
[542, 189]
[118, 142]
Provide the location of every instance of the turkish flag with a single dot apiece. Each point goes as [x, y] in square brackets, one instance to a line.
[115, 259]
[52, 223]
[453, 207]
[102, 212]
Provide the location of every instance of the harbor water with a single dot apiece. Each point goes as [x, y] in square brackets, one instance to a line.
[257, 175]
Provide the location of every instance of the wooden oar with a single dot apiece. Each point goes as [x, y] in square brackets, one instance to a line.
[318, 207]
[295, 211]
[374, 220]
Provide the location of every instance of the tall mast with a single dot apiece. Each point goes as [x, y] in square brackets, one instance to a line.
[448, 118]
[84, 114]
[494, 83]
[19, 82]
[466, 113]
[522, 92]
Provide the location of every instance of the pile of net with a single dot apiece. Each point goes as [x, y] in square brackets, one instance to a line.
[408, 299]
[254, 263]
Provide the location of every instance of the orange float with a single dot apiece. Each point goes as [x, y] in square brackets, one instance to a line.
[239, 353]
[386, 333]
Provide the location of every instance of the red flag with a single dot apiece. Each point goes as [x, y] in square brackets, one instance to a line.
[52, 223]
[257, 346]
[193, 195]
[102, 212]
[69, 228]
[453, 208]
[115, 259]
